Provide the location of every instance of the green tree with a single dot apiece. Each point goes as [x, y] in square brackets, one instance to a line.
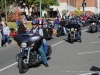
[45, 3]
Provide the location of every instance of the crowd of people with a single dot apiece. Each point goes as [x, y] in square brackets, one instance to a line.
[7, 34]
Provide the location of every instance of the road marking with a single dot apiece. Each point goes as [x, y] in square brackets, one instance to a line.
[84, 30]
[97, 73]
[17, 62]
[8, 66]
[57, 43]
[89, 52]
[95, 42]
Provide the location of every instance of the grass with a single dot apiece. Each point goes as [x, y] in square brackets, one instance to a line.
[13, 25]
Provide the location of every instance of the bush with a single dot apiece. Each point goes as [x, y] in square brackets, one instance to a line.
[45, 15]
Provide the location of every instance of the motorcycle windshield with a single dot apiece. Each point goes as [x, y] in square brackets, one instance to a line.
[29, 38]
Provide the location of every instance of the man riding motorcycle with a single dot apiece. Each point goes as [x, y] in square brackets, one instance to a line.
[76, 25]
[63, 23]
[39, 31]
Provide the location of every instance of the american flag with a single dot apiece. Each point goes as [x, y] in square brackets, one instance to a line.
[58, 13]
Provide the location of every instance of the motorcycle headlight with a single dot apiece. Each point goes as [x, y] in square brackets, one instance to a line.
[93, 23]
[23, 44]
[72, 29]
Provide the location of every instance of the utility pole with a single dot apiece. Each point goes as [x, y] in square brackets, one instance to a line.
[6, 10]
[40, 9]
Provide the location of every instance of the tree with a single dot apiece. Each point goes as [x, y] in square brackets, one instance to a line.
[78, 11]
[64, 12]
[45, 4]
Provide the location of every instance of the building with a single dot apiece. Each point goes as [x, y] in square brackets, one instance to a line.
[91, 5]
[71, 5]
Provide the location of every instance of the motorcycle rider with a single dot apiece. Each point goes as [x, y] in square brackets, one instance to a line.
[78, 26]
[63, 23]
[44, 34]
[39, 31]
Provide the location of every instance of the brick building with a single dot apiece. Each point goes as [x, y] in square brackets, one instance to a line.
[71, 5]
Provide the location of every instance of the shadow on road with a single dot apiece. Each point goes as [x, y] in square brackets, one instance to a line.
[96, 70]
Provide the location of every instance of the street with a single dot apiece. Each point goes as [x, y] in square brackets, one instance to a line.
[67, 59]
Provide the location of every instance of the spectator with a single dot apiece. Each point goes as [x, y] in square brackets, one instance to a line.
[23, 19]
[1, 27]
[21, 28]
[0, 38]
[17, 19]
[6, 33]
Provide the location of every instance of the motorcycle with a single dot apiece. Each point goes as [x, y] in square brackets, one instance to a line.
[29, 55]
[60, 31]
[49, 32]
[73, 33]
[93, 27]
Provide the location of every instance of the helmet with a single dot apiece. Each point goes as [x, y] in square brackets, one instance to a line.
[40, 22]
[34, 22]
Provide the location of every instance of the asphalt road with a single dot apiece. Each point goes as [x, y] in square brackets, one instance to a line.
[66, 59]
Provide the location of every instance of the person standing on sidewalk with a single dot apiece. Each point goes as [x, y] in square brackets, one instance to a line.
[0, 38]
[6, 32]
[1, 34]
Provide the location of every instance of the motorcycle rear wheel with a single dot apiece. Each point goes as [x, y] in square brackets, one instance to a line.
[22, 66]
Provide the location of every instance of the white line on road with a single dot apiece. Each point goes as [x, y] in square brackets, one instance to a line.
[16, 62]
[8, 66]
[95, 42]
[84, 30]
[89, 52]
[97, 73]
[57, 43]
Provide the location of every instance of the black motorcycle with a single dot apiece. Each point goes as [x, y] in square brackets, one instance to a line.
[29, 55]
[49, 32]
[60, 31]
[93, 28]
[73, 32]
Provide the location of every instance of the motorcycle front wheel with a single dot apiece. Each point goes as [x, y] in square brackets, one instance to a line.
[71, 39]
[23, 67]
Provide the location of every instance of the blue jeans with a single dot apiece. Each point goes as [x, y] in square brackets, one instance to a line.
[17, 23]
[6, 39]
[98, 27]
[78, 35]
[64, 29]
[42, 53]
[45, 46]
[56, 27]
